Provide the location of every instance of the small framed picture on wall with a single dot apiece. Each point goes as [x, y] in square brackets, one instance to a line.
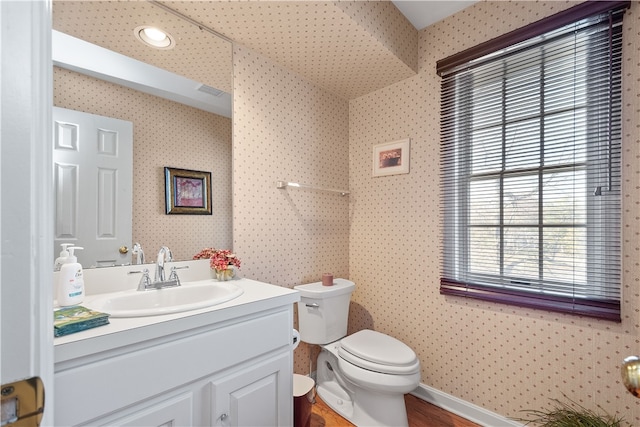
[391, 158]
[187, 191]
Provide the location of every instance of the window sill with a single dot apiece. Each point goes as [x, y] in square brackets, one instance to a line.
[600, 309]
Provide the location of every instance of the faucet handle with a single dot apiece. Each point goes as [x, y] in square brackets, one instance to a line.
[174, 274]
[145, 280]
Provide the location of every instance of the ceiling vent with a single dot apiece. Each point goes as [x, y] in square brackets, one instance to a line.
[210, 90]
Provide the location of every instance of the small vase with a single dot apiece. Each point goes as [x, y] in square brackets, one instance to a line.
[226, 274]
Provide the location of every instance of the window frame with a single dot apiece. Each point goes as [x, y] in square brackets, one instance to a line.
[592, 307]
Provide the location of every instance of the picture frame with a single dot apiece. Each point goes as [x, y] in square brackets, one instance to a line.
[187, 192]
[391, 158]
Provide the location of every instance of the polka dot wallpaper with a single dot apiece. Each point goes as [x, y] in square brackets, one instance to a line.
[333, 44]
[502, 358]
[389, 27]
[169, 134]
[296, 132]
[385, 236]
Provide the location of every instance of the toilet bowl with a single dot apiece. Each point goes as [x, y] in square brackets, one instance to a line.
[366, 396]
[363, 376]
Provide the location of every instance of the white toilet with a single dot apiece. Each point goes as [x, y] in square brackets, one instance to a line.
[364, 376]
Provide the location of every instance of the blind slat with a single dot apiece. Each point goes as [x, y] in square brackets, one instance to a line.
[531, 172]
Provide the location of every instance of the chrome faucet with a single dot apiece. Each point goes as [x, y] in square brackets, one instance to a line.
[161, 281]
[146, 284]
[163, 255]
[138, 252]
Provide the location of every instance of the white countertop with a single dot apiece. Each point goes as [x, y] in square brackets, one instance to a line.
[257, 297]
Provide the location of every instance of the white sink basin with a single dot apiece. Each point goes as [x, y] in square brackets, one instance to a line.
[189, 296]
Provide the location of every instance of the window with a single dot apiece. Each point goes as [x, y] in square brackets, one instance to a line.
[530, 158]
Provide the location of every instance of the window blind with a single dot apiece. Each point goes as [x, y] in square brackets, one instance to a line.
[531, 176]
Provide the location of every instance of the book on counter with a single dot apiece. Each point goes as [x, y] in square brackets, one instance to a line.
[77, 318]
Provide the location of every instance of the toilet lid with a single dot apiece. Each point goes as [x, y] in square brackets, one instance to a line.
[378, 352]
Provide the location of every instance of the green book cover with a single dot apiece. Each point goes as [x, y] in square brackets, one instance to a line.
[77, 318]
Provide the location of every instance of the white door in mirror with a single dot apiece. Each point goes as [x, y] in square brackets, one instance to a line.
[93, 168]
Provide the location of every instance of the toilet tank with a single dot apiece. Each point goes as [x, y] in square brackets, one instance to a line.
[323, 311]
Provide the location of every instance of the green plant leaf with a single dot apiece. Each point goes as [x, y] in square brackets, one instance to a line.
[570, 414]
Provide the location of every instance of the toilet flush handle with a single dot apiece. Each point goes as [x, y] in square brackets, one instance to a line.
[313, 305]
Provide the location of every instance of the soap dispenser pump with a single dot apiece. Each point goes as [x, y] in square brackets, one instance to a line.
[64, 253]
[71, 281]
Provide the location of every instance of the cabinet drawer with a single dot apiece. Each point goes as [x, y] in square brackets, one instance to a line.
[175, 411]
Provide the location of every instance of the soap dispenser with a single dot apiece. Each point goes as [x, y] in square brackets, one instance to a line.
[63, 256]
[71, 281]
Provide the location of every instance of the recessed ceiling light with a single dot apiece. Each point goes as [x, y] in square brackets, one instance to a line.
[154, 37]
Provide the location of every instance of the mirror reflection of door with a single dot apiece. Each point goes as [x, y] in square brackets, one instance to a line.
[93, 167]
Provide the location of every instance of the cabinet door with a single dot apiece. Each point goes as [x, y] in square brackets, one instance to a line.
[257, 394]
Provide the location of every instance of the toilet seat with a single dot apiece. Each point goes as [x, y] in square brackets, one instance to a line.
[378, 352]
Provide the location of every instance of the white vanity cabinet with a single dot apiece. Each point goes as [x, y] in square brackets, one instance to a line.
[230, 366]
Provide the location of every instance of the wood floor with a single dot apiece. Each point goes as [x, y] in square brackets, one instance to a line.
[419, 412]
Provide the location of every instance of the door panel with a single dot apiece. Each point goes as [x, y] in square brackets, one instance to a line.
[93, 167]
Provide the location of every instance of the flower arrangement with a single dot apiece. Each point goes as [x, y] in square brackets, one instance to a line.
[220, 260]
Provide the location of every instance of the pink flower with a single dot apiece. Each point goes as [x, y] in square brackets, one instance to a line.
[219, 259]
[205, 253]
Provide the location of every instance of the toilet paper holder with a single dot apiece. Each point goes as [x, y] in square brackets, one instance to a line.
[296, 339]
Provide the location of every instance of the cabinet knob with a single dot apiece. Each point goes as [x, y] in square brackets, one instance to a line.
[223, 417]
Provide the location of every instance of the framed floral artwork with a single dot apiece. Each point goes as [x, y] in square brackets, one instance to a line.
[187, 191]
[391, 158]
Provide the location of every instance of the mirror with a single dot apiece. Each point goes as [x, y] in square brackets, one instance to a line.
[167, 133]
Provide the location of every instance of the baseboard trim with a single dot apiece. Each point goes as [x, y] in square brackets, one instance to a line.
[462, 408]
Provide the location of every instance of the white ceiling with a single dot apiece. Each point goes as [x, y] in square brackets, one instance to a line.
[422, 13]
